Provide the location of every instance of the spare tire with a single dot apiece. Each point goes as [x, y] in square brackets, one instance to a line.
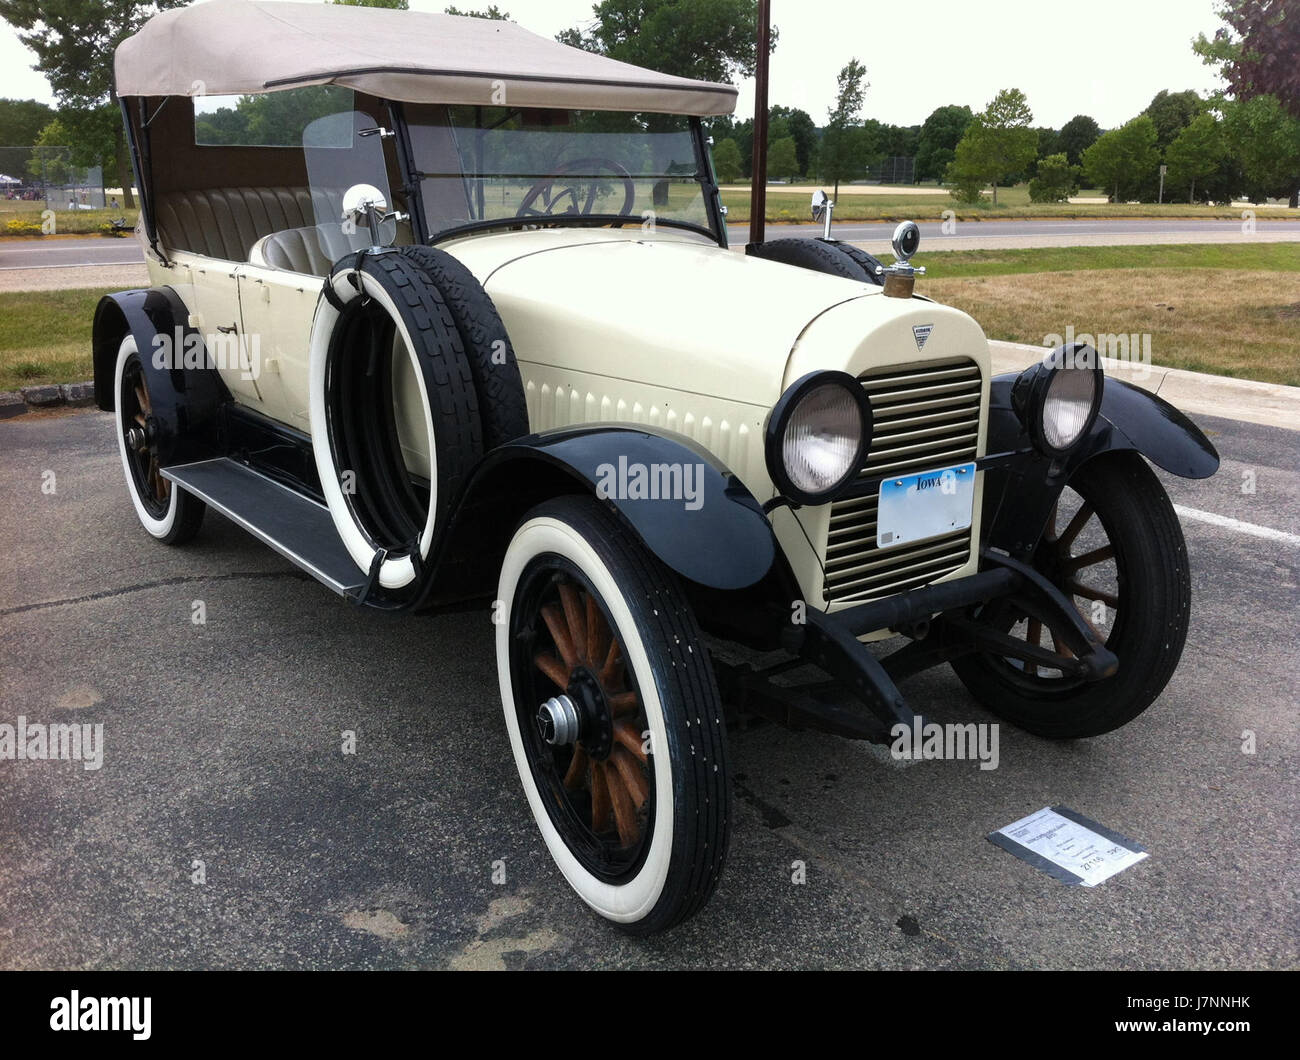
[394, 415]
[502, 407]
[830, 256]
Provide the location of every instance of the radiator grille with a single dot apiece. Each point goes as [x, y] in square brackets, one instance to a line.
[926, 416]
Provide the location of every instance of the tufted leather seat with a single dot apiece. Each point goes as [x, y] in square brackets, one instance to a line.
[226, 222]
[311, 250]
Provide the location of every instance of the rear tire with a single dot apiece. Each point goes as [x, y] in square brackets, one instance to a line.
[166, 511]
[1147, 595]
[635, 807]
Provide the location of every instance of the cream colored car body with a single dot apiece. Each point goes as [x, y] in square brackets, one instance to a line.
[663, 328]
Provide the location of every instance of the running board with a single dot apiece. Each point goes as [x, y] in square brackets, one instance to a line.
[299, 528]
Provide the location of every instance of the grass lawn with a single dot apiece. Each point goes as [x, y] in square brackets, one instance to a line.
[45, 336]
[1228, 310]
[66, 222]
[1225, 309]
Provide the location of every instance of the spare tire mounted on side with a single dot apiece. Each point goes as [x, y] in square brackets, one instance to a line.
[831, 256]
[402, 346]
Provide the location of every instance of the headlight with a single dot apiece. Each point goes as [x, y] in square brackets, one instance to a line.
[1057, 399]
[817, 436]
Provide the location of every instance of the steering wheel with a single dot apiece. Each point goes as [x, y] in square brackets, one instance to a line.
[553, 190]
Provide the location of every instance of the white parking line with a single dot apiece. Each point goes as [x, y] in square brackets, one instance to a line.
[1266, 532]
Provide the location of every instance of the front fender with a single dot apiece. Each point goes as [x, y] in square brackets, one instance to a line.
[712, 531]
[186, 394]
[1018, 495]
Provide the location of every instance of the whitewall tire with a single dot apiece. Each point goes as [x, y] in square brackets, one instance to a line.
[165, 510]
[631, 792]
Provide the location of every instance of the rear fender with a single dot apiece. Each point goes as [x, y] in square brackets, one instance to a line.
[184, 389]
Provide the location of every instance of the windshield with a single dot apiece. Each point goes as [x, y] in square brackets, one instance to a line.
[485, 164]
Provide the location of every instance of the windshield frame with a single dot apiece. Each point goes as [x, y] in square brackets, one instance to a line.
[716, 230]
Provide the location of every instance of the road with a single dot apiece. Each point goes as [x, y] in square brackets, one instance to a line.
[69, 253]
[222, 745]
[997, 235]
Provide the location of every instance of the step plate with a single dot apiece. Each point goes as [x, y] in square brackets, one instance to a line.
[299, 528]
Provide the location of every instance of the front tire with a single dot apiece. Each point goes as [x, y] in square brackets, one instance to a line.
[1114, 546]
[171, 515]
[635, 804]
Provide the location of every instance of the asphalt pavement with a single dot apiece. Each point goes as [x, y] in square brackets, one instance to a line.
[222, 745]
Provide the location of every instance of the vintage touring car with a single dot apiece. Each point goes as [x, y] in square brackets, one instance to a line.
[445, 313]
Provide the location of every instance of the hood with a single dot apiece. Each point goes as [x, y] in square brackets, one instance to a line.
[668, 310]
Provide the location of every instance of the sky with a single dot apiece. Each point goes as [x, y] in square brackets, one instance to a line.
[1106, 58]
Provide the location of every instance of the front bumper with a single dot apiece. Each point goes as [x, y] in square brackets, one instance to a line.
[862, 700]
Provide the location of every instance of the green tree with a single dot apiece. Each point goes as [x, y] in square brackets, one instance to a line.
[1047, 145]
[1055, 181]
[1076, 136]
[713, 40]
[1123, 159]
[999, 142]
[799, 124]
[783, 159]
[1172, 112]
[1195, 154]
[50, 163]
[74, 42]
[937, 141]
[726, 161]
[1266, 141]
[493, 12]
[842, 154]
[1256, 52]
[21, 121]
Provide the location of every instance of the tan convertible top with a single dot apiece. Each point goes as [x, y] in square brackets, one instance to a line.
[229, 47]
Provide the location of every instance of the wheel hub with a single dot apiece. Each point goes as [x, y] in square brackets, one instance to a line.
[557, 721]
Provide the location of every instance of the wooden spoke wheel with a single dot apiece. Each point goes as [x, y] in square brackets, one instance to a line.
[166, 511]
[154, 489]
[1114, 546]
[614, 716]
[1078, 556]
[586, 725]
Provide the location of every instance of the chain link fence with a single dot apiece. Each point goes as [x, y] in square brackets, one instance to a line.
[898, 170]
[46, 178]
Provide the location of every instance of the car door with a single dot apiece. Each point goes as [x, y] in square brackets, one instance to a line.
[219, 321]
[278, 308]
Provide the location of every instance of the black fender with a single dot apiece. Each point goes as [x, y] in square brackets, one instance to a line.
[187, 394]
[1019, 494]
[718, 537]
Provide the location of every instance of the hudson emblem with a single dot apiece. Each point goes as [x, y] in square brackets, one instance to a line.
[922, 332]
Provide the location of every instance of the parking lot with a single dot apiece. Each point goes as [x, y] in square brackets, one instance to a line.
[223, 746]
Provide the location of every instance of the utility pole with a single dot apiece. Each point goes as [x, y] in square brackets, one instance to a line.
[758, 182]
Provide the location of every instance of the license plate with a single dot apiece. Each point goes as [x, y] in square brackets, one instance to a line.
[927, 504]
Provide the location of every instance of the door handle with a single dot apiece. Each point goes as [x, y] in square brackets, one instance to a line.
[228, 329]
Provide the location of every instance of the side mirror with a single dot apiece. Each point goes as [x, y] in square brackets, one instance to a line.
[364, 206]
[358, 202]
[819, 202]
